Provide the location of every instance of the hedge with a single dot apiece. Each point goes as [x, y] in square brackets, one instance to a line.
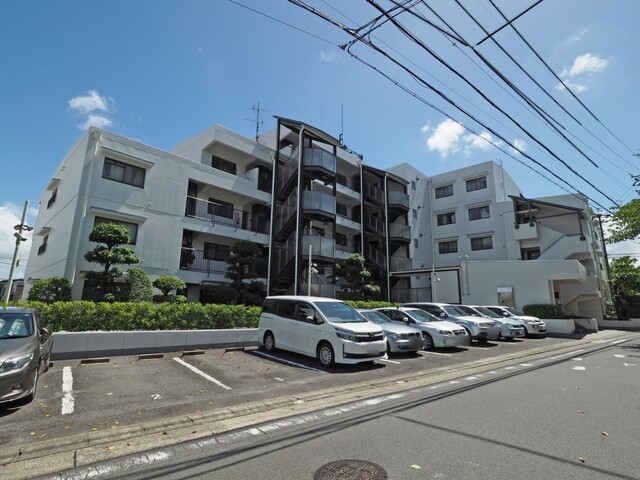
[544, 310]
[83, 316]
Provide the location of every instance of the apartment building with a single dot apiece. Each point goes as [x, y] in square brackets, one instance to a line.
[464, 236]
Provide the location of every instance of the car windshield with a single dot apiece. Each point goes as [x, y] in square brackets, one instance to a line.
[376, 317]
[513, 311]
[14, 325]
[421, 316]
[469, 310]
[487, 312]
[451, 310]
[338, 312]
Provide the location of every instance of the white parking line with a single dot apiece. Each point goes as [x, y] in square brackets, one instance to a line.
[68, 401]
[568, 353]
[436, 353]
[390, 361]
[271, 357]
[476, 348]
[618, 341]
[201, 373]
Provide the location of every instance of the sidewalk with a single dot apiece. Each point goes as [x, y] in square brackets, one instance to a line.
[56, 455]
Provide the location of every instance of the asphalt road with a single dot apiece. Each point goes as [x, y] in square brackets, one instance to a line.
[110, 401]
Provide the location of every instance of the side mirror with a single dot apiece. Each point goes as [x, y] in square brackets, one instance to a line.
[317, 321]
[44, 332]
[406, 320]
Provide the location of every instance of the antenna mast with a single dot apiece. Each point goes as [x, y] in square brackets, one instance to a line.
[257, 121]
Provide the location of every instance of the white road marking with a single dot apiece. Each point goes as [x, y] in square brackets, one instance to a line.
[68, 401]
[620, 356]
[578, 368]
[629, 364]
[390, 361]
[156, 396]
[470, 379]
[476, 348]
[299, 365]
[577, 359]
[201, 373]
[526, 364]
[436, 353]
[618, 341]
[509, 368]
[568, 353]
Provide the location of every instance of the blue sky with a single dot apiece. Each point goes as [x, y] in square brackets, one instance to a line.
[162, 71]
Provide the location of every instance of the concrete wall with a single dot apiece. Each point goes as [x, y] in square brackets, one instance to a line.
[68, 345]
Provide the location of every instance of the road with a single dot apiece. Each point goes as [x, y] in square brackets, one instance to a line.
[568, 414]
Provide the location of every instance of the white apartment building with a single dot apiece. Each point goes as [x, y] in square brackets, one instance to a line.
[466, 236]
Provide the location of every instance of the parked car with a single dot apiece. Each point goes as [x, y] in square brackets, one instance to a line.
[510, 328]
[477, 328]
[327, 329]
[435, 332]
[532, 325]
[25, 353]
[400, 338]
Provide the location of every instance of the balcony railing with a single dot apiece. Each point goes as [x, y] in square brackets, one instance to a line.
[196, 261]
[374, 193]
[319, 158]
[400, 264]
[289, 208]
[376, 224]
[400, 230]
[320, 246]
[319, 201]
[375, 255]
[349, 182]
[398, 198]
[218, 214]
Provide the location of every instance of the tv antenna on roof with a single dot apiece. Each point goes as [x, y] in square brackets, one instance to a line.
[257, 121]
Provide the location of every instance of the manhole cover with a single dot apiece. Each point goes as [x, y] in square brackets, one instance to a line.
[350, 470]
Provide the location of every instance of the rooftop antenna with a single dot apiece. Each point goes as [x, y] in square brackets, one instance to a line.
[257, 121]
[341, 137]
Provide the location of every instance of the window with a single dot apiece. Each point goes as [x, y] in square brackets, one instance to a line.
[43, 248]
[444, 191]
[224, 165]
[52, 200]
[213, 251]
[478, 213]
[530, 253]
[450, 246]
[415, 243]
[132, 227]
[415, 213]
[220, 208]
[476, 184]
[446, 218]
[413, 185]
[123, 172]
[482, 243]
[342, 239]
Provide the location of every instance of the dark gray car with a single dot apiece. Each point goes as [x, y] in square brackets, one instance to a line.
[25, 353]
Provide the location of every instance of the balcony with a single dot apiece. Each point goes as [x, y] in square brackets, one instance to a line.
[221, 215]
[526, 231]
[322, 248]
[320, 162]
[196, 261]
[320, 205]
[374, 255]
[400, 264]
[398, 201]
[399, 232]
[374, 194]
[375, 224]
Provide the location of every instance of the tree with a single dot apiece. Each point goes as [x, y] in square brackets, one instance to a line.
[246, 264]
[50, 290]
[356, 278]
[166, 283]
[625, 222]
[112, 253]
[625, 287]
[140, 289]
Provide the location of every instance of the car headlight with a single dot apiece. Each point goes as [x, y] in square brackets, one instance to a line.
[445, 332]
[346, 335]
[16, 363]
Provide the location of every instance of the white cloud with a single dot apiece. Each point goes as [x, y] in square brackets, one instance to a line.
[445, 139]
[93, 120]
[576, 37]
[10, 216]
[90, 102]
[94, 108]
[329, 56]
[520, 145]
[586, 63]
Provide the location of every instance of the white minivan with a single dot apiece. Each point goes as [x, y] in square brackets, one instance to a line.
[325, 328]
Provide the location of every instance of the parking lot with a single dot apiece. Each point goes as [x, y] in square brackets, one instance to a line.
[77, 397]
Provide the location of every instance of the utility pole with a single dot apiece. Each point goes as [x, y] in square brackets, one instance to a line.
[19, 238]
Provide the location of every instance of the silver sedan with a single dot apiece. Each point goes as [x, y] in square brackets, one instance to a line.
[400, 338]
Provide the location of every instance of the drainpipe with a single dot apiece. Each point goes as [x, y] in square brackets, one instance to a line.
[299, 213]
[386, 227]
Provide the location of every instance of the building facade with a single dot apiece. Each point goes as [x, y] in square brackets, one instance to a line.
[309, 203]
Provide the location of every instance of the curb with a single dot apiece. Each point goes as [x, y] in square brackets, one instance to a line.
[74, 451]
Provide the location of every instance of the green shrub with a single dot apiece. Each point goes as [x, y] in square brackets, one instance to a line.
[140, 288]
[50, 290]
[544, 310]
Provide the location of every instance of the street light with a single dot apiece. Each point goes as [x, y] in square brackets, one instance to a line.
[19, 239]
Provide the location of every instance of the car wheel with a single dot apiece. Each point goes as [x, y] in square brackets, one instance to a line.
[469, 334]
[526, 332]
[269, 342]
[325, 355]
[427, 341]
